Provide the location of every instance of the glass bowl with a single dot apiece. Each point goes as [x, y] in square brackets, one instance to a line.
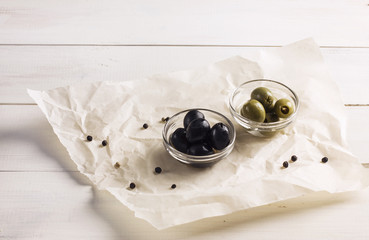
[243, 93]
[176, 121]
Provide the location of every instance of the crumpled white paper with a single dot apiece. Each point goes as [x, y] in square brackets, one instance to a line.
[251, 175]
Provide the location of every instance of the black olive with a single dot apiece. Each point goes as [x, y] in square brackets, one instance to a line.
[178, 140]
[219, 136]
[197, 130]
[192, 115]
[104, 143]
[200, 149]
[89, 138]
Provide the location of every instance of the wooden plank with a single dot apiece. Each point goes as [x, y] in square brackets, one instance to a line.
[357, 137]
[44, 205]
[29, 144]
[349, 68]
[247, 22]
[46, 67]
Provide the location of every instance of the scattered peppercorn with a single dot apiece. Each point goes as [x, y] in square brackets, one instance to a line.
[324, 159]
[104, 143]
[163, 119]
[285, 164]
[173, 186]
[158, 169]
[293, 158]
[89, 138]
[145, 126]
[117, 165]
[132, 185]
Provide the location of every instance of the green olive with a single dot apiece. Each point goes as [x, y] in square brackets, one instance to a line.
[253, 110]
[269, 106]
[271, 117]
[265, 97]
[283, 108]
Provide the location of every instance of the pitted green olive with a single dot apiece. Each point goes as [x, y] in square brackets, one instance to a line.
[284, 108]
[253, 110]
[265, 97]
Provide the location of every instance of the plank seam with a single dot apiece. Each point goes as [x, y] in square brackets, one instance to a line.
[153, 45]
[38, 171]
[357, 105]
[34, 104]
[16, 104]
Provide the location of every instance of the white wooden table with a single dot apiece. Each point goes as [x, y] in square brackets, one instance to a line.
[46, 44]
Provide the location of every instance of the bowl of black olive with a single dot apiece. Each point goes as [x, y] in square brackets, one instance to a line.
[264, 107]
[199, 137]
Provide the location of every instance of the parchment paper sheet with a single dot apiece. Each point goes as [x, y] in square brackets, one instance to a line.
[251, 175]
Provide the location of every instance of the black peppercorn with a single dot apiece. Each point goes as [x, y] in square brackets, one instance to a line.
[163, 119]
[293, 158]
[158, 169]
[145, 126]
[285, 164]
[104, 143]
[173, 186]
[89, 138]
[324, 159]
[132, 185]
[117, 165]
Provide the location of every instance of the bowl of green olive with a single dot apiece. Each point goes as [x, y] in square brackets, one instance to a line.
[263, 107]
